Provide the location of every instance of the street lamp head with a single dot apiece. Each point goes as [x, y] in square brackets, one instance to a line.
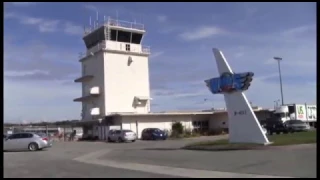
[277, 58]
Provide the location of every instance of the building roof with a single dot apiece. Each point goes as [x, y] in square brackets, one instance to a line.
[180, 113]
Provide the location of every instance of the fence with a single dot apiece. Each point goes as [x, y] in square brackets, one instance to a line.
[56, 133]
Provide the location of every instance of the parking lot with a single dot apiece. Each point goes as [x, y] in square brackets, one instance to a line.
[163, 159]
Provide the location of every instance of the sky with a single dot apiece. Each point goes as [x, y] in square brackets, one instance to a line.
[42, 42]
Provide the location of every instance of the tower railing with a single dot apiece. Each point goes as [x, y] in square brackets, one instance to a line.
[104, 46]
[115, 23]
[125, 24]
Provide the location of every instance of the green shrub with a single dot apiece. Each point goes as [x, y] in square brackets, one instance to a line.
[188, 132]
[177, 128]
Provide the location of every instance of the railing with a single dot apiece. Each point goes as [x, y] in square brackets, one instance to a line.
[125, 24]
[103, 46]
[146, 49]
[115, 23]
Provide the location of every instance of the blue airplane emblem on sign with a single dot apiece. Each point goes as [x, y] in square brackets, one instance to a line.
[229, 82]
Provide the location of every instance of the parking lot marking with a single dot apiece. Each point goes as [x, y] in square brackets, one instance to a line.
[92, 158]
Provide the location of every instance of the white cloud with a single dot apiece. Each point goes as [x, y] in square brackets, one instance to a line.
[45, 25]
[162, 18]
[24, 73]
[38, 84]
[40, 99]
[299, 30]
[156, 54]
[298, 51]
[71, 28]
[264, 92]
[49, 26]
[91, 7]
[169, 28]
[174, 94]
[238, 55]
[24, 3]
[201, 33]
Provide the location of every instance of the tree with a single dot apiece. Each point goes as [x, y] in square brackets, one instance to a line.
[177, 128]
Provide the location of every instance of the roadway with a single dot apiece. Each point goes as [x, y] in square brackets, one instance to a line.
[162, 159]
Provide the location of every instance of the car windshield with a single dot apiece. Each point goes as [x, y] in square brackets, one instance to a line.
[156, 130]
[126, 131]
[297, 122]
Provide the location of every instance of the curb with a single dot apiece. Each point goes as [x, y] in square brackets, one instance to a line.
[258, 147]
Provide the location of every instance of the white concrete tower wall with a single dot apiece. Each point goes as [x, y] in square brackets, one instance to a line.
[124, 82]
[93, 66]
[115, 71]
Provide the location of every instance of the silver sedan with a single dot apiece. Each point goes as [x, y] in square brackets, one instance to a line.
[25, 141]
[122, 136]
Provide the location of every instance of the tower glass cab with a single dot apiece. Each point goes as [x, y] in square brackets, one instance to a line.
[116, 35]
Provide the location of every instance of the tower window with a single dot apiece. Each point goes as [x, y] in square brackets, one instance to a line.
[127, 47]
[113, 35]
[124, 36]
[136, 38]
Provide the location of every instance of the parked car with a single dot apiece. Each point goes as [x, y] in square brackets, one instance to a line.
[25, 141]
[276, 126]
[121, 136]
[297, 126]
[45, 136]
[153, 134]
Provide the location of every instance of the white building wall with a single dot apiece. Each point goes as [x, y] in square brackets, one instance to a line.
[123, 82]
[163, 122]
[218, 121]
[93, 66]
[121, 46]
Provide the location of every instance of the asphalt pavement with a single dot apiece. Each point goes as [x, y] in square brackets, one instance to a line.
[157, 159]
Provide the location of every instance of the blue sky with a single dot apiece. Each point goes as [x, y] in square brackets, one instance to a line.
[42, 42]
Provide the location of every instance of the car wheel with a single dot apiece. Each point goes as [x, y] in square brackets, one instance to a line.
[133, 140]
[109, 140]
[277, 132]
[33, 147]
[120, 140]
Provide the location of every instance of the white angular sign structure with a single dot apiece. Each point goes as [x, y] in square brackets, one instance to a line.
[244, 126]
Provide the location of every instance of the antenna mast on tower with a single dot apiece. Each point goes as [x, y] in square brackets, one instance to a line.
[97, 18]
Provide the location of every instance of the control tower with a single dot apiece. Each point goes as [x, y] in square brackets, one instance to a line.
[115, 70]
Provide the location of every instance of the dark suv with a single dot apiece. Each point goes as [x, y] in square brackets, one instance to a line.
[153, 134]
[276, 126]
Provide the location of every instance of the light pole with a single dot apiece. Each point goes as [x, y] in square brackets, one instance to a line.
[279, 59]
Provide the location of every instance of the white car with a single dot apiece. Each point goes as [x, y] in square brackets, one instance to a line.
[26, 141]
[121, 136]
